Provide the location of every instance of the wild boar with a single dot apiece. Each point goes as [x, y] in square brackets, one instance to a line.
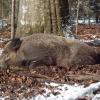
[45, 49]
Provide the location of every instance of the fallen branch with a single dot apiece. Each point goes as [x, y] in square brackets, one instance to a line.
[95, 42]
[45, 78]
[84, 77]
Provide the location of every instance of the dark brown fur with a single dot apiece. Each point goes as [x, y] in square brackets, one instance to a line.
[44, 49]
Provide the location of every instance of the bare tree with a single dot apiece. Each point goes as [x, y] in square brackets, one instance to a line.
[77, 14]
[13, 20]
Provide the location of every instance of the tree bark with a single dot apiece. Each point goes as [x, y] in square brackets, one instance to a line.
[41, 16]
[13, 20]
[77, 15]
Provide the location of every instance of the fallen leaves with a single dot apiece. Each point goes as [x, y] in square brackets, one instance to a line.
[24, 83]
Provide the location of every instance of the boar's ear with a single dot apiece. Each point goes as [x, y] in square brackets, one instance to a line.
[15, 44]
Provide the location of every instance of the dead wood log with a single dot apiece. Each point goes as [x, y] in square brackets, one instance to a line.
[95, 42]
[84, 77]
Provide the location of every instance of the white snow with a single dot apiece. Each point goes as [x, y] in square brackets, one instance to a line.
[68, 92]
[4, 39]
[1, 51]
[3, 23]
[71, 92]
[81, 21]
[96, 97]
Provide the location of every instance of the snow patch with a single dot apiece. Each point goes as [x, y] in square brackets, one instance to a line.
[69, 92]
[1, 50]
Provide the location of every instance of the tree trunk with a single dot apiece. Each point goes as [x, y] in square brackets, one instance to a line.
[77, 15]
[13, 20]
[97, 17]
[89, 20]
[84, 18]
[42, 16]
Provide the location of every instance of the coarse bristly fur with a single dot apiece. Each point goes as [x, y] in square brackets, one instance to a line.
[45, 49]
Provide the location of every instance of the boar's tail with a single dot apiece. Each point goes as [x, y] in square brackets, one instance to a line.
[15, 44]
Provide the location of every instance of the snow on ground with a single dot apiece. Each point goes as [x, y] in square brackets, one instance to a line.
[3, 23]
[81, 21]
[95, 40]
[1, 48]
[1, 51]
[4, 39]
[69, 92]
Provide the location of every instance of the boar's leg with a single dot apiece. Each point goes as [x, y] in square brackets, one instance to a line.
[46, 60]
[63, 63]
[63, 57]
[43, 61]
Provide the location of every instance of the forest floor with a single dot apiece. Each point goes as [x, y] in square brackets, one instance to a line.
[15, 82]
